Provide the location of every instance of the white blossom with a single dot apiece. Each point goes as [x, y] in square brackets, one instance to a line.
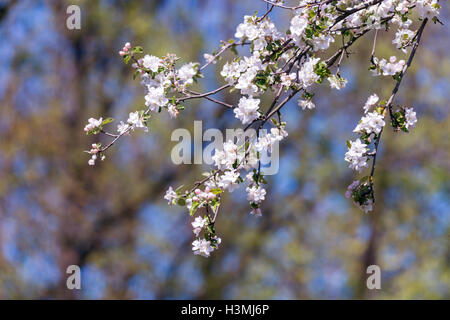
[278, 133]
[411, 118]
[92, 124]
[198, 224]
[322, 42]
[228, 180]
[367, 206]
[224, 159]
[306, 104]
[298, 25]
[170, 196]
[202, 247]
[307, 76]
[173, 110]
[209, 58]
[402, 38]
[187, 72]
[160, 80]
[247, 110]
[255, 194]
[151, 62]
[245, 82]
[122, 127]
[155, 98]
[264, 142]
[337, 82]
[231, 71]
[287, 79]
[256, 212]
[385, 68]
[248, 29]
[356, 155]
[136, 121]
[427, 8]
[371, 101]
[372, 122]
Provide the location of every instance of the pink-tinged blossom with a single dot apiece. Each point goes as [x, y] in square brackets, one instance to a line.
[202, 247]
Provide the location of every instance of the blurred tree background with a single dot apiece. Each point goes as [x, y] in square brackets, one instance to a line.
[112, 220]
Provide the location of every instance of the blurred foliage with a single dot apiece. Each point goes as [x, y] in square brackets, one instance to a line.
[111, 220]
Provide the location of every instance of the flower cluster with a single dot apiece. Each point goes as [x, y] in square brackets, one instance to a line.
[125, 49]
[387, 68]
[402, 38]
[255, 194]
[247, 110]
[357, 155]
[93, 124]
[267, 140]
[372, 122]
[204, 246]
[306, 102]
[410, 117]
[404, 119]
[427, 8]
[361, 195]
[203, 227]
[371, 102]
[337, 82]
[95, 153]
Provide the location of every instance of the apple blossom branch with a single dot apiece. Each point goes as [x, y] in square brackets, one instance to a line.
[280, 65]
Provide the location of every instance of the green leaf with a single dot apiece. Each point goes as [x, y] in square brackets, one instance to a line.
[215, 204]
[106, 121]
[94, 131]
[254, 205]
[137, 50]
[216, 191]
[194, 208]
[364, 179]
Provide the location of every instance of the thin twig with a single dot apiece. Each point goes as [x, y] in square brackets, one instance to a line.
[391, 99]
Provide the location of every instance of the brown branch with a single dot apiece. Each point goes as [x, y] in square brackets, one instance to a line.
[391, 99]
